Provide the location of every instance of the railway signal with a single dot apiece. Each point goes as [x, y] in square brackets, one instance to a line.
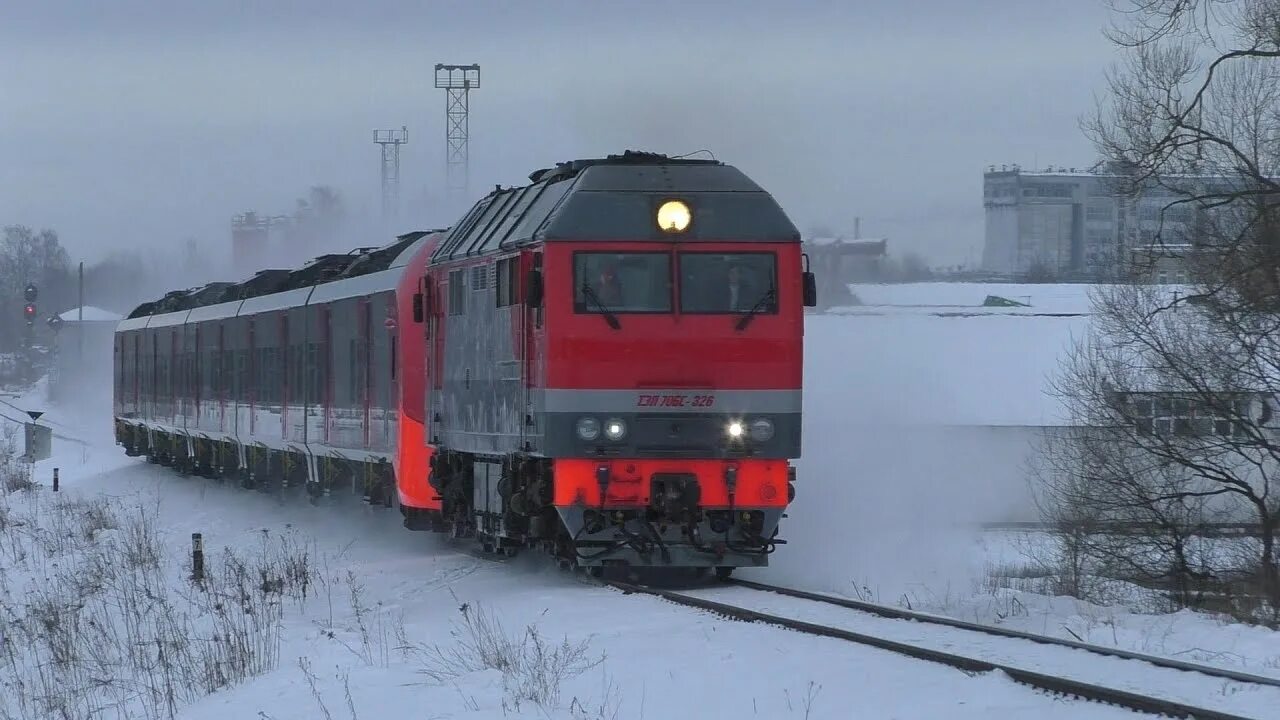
[30, 293]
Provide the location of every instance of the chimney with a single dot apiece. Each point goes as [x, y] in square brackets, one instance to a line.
[857, 228]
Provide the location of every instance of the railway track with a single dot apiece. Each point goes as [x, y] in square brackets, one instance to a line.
[1059, 683]
[900, 614]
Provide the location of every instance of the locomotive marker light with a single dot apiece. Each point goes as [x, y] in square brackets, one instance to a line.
[735, 429]
[674, 216]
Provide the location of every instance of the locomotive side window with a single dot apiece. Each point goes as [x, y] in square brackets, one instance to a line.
[507, 268]
[457, 292]
[635, 282]
[728, 282]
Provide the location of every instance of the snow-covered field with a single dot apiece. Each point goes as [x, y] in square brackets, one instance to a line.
[382, 630]
[1133, 620]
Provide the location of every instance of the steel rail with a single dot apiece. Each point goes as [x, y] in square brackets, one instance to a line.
[1040, 681]
[901, 614]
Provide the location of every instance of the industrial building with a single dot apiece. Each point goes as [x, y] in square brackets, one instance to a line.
[1071, 223]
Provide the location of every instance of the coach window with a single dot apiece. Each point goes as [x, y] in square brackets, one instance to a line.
[621, 282]
[727, 282]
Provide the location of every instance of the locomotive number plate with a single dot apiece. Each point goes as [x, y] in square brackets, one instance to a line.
[675, 400]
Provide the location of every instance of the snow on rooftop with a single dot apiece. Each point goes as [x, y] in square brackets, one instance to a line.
[967, 298]
[843, 240]
[91, 314]
[1042, 298]
[925, 370]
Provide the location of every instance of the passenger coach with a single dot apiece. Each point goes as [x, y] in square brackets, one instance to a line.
[291, 378]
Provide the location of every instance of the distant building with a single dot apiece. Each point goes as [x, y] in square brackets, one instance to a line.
[1072, 224]
[838, 261]
[1162, 263]
[249, 243]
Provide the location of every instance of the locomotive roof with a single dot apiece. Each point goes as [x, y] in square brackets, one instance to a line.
[616, 197]
[323, 269]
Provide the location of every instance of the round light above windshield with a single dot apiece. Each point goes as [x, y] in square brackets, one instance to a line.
[674, 216]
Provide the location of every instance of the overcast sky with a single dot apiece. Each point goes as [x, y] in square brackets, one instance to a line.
[143, 123]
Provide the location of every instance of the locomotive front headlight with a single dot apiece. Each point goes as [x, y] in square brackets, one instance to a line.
[615, 429]
[674, 216]
[588, 428]
[761, 429]
[735, 430]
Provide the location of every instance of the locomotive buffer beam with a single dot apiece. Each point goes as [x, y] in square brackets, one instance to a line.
[632, 536]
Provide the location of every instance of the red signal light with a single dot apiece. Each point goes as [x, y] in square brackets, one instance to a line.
[29, 310]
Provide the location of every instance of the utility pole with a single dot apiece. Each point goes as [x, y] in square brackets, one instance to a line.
[390, 141]
[457, 81]
[80, 319]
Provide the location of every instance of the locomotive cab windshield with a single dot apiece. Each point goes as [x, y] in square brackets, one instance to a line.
[644, 282]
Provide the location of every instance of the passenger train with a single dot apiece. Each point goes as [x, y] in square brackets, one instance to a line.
[605, 363]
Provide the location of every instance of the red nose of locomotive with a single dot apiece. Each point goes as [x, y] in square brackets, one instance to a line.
[672, 402]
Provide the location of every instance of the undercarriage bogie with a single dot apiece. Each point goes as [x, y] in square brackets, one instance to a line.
[654, 513]
[259, 467]
[700, 514]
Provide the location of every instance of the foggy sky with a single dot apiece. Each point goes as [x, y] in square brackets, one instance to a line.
[141, 124]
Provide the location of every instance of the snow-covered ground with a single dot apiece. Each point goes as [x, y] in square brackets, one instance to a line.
[382, 630]
[1133, 619]
[1039, 298]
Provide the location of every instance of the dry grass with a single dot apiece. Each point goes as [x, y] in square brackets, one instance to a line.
[98, 618]
[533, 668]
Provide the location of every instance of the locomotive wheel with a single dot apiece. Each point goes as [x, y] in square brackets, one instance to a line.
[723, 572]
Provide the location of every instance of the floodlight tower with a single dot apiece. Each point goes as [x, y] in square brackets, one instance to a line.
[457, 81]
[391, 140]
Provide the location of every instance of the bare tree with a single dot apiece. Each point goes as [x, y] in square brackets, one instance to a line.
[27, 256]
[1172, 396]
[319, 222]
[122, 280]
[1173, 430]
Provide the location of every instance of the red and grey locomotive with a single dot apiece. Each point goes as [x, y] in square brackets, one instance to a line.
[605, 362]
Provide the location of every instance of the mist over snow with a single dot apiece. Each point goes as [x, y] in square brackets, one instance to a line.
[139, 124]
[917, 429]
